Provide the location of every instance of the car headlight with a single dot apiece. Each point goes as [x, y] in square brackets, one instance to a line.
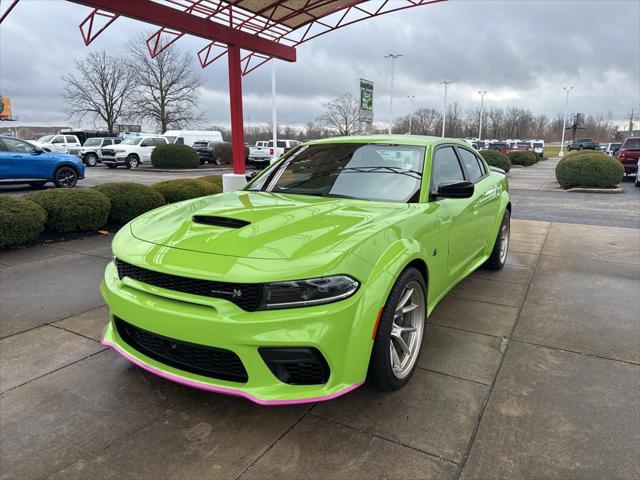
[302, 293]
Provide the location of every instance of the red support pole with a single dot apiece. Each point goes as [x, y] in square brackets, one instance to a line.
[235, 102]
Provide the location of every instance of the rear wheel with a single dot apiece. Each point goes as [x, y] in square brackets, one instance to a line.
[397, 344]
[65, 177]
[132, 161]
[500, 250]
[91, 160]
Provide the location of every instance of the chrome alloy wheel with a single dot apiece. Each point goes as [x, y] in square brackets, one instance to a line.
[504, 241]
[407, 329]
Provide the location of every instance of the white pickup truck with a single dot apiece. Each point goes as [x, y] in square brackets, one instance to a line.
[264, 154]
[259, 155]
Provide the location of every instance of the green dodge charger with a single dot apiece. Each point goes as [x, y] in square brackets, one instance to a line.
[316, 277]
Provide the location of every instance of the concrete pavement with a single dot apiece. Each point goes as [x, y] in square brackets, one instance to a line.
[530, 372]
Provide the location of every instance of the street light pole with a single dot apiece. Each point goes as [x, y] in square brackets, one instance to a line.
[482, 94]
[444, 111]
[274, 125]
[393, 57]
[564, 121]
[410, 97]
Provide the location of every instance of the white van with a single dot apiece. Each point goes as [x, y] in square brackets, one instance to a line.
[189, 137]
[538, 147]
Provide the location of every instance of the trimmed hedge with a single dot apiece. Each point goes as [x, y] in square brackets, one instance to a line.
[523, 158]
[496, 159]
[215, 180]
[21, 221]
[71, 210]
[594, 170]
[185, 189]
[174, 156]
[224, 153]
[128, 200]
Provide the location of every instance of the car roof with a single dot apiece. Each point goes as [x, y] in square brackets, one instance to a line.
[418, 140]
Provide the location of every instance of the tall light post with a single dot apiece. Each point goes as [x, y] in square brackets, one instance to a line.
[274, 125]
[444, 111]
[393, 57]
[482, 94]
[564, 121]
[410, 97]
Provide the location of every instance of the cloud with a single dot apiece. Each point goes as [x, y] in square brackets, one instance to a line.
[521, 52]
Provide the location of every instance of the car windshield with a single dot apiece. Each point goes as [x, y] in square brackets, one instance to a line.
[92, 142]
[349, 170]
[46, 138]
[131, 141]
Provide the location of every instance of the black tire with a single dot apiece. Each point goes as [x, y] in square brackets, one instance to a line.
[112, 165]
[132, 161]
[90, 160]
[497, 260]
[65, 177]
[380, 373]
[36, 184]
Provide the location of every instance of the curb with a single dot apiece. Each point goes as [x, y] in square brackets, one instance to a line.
[595, 190]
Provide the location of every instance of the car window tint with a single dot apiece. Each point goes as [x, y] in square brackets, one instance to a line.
[471, 164]
[147, 142]
[59, 139]
[71, 139]
[632, 143]
[17, 146]
[162, 141]
[179, 141]
[107, 141]
[282, 144]
[446, 167]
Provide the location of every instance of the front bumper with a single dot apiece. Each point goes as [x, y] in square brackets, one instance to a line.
[335, 330]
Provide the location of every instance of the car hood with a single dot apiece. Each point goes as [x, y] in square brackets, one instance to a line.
[262, 225]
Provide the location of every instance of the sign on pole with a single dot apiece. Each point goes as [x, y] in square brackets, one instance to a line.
[366, 104]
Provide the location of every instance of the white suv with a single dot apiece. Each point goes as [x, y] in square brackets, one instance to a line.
[132, 151]
[58, 143]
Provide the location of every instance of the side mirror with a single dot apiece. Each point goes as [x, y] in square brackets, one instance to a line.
[455, 190]
[249, 175]
[38, 151]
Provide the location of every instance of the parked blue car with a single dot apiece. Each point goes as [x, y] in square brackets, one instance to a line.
[23, 162]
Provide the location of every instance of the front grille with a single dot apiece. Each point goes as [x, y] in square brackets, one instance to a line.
[199, 359]
[247, 296]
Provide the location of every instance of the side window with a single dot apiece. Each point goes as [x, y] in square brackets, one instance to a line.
[71, 140]
[282, 144]
[471, 164]
[58, 139]
[147, 142]
[179, 140]
[16, 146]
[445, 168]
[107, 141]
[162, 141]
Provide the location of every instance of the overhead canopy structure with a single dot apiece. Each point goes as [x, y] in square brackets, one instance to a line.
[250, 32]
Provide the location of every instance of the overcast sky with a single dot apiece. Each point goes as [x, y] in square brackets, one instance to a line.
[521, 52]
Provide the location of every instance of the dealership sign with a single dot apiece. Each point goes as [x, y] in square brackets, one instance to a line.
[366, 101]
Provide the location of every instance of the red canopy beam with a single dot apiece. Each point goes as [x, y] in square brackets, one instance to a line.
[152, 12]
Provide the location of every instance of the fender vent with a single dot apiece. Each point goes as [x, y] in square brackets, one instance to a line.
[220, 221]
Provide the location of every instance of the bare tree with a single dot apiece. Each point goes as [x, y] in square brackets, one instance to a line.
[101, 88]
[167, 87]
[342, 115]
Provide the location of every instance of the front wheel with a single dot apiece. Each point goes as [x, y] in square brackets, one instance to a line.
[397, 343]
[500, 250]
[91, 160]
[65, 177]
[132, 161]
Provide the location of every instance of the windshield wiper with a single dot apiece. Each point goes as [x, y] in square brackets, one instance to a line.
[402, 171]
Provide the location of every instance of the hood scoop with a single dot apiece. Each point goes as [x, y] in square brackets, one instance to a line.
[220, 221]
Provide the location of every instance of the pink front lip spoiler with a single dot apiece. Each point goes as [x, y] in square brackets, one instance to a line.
[226, 391]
